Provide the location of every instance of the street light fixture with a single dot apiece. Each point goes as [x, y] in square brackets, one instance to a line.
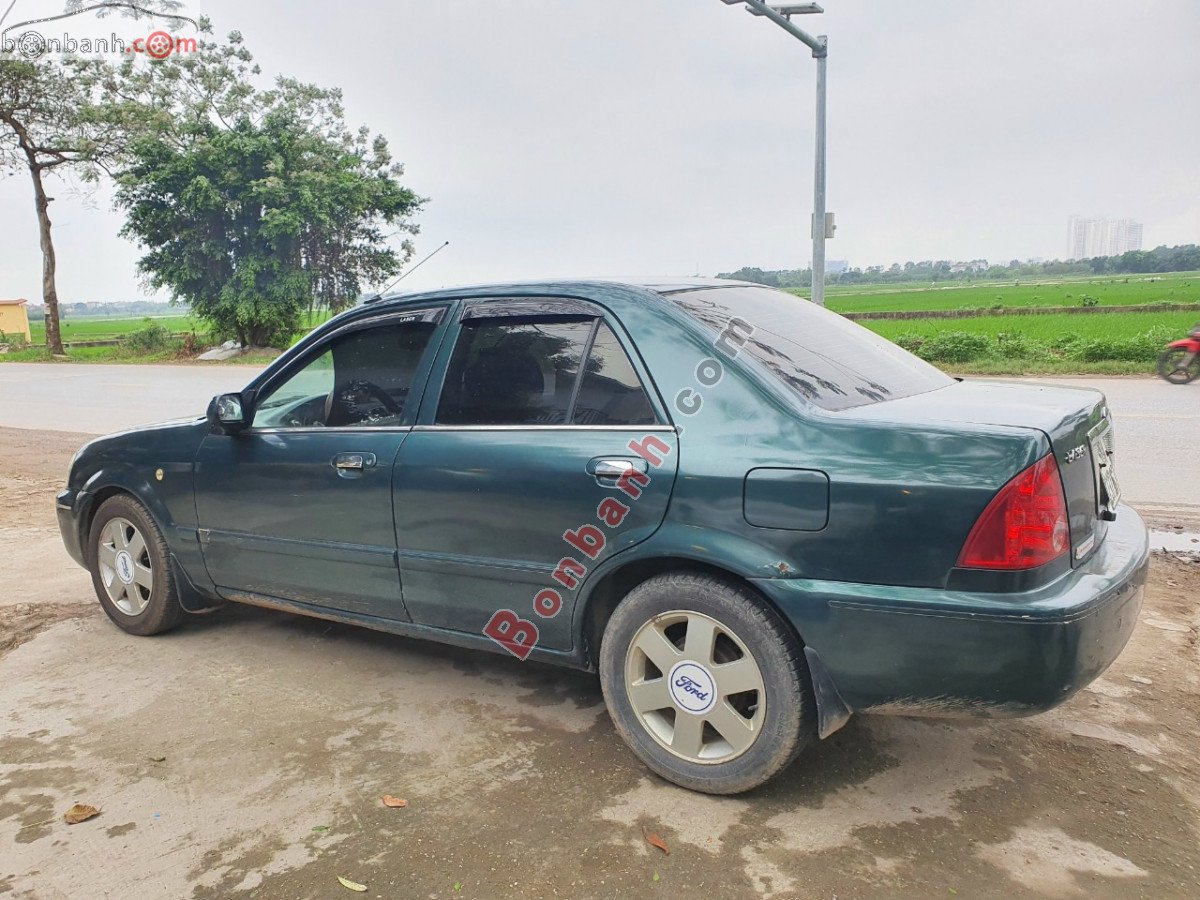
[822, 222]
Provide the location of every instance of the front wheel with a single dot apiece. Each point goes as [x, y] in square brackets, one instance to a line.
[1179, 365]
[706, 683]
[131, 569]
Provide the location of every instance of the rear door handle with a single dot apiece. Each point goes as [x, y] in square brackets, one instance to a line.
[610, 468]
[351, 465]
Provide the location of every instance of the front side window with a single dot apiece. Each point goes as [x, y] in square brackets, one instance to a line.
[362, 379]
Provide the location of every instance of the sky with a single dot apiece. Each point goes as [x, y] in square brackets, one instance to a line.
[675, 137]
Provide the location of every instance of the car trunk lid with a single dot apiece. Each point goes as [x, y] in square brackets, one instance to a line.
[1076, 421]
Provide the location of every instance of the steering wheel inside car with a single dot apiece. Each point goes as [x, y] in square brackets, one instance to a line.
[347, 402]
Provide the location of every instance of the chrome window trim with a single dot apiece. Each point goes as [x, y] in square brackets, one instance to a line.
[340, 429]
[665, 429]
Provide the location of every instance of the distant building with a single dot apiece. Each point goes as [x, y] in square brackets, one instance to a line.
[14, 320]
[837, 266]
[1089, 237]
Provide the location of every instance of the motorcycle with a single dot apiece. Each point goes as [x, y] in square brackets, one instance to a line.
[1180, 361]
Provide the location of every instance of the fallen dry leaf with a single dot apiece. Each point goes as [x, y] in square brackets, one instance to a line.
[655, 841]
[394, 802]
[80, 812]
[351, 885]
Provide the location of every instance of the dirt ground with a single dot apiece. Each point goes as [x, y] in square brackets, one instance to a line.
[247, 753]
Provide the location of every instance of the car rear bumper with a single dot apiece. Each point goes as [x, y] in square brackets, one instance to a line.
[939, 652]
[69, 506]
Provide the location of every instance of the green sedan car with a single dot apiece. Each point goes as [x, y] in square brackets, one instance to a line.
[750, 516]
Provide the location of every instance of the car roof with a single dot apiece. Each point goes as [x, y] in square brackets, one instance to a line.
[659, 285]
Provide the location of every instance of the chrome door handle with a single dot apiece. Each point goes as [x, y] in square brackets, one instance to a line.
[611, 468]
[353, 463]
[615, 467]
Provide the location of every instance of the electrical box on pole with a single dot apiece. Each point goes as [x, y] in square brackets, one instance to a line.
[829, 229]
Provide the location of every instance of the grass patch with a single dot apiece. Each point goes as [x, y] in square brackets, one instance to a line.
[1122, 290]
[1041, 328]
[106, 329]
[994, 366]
[1116, 343]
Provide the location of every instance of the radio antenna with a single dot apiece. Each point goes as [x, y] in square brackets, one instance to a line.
[414, 268]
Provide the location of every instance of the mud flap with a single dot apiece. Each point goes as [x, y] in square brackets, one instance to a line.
[832, 711]
[191, 598]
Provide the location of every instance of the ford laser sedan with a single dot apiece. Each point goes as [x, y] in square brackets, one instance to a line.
[752, 517]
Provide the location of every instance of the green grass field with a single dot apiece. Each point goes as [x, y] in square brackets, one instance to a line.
[1124, 290]
[1003, 343]
[1043, 328]
[103, 328]
[100, 328]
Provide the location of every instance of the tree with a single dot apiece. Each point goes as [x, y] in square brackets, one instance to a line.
[254, 205]
[50, 124]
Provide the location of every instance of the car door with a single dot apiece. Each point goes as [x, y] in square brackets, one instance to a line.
[501, 486]
[299, 504]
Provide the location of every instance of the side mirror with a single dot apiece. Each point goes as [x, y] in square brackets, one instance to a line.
[227, 414]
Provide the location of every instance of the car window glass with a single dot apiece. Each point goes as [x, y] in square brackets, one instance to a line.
[826, 359]
[361, 380]
[611, 393]
[513, 372]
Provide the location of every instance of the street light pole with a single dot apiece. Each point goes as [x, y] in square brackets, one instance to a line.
[818, 221]
[822, 225]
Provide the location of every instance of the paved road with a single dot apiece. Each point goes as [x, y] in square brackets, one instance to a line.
[1158, 424]
[101, 399]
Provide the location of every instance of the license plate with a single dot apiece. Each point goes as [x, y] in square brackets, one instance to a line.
[1108, 477]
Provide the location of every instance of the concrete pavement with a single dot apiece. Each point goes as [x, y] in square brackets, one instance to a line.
[245, 755]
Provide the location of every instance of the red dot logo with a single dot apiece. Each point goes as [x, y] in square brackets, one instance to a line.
[159, 45]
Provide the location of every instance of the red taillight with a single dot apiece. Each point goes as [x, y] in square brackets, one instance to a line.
[1024, 526]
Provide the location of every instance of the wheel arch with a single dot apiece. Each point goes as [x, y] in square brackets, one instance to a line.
[195, 598]
[606, 591]
[107, 484]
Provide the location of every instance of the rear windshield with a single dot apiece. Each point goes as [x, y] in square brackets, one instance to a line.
[826, 359]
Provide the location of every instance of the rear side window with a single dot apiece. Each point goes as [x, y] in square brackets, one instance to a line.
[611, 392]
[513, 372]
[509, 371]
[826, 359]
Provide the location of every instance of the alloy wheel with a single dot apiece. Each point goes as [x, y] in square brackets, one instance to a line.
[695, 687]
[125, 567]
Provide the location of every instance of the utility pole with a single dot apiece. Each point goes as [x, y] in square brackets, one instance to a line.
[822, 221]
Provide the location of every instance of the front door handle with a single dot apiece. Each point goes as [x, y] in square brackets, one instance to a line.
[351, 465]
[610, 468]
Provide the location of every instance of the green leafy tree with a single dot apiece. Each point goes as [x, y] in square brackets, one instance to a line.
[255, 205]
[57, 118]
[51, 124]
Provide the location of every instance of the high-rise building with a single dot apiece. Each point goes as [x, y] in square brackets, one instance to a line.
[1094, 236]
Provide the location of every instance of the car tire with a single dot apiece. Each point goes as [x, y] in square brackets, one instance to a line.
[687, 654]
[131, 568]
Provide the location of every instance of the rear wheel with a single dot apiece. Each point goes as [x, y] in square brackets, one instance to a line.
[705, 683]
[1179, 365]
[131, 569]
